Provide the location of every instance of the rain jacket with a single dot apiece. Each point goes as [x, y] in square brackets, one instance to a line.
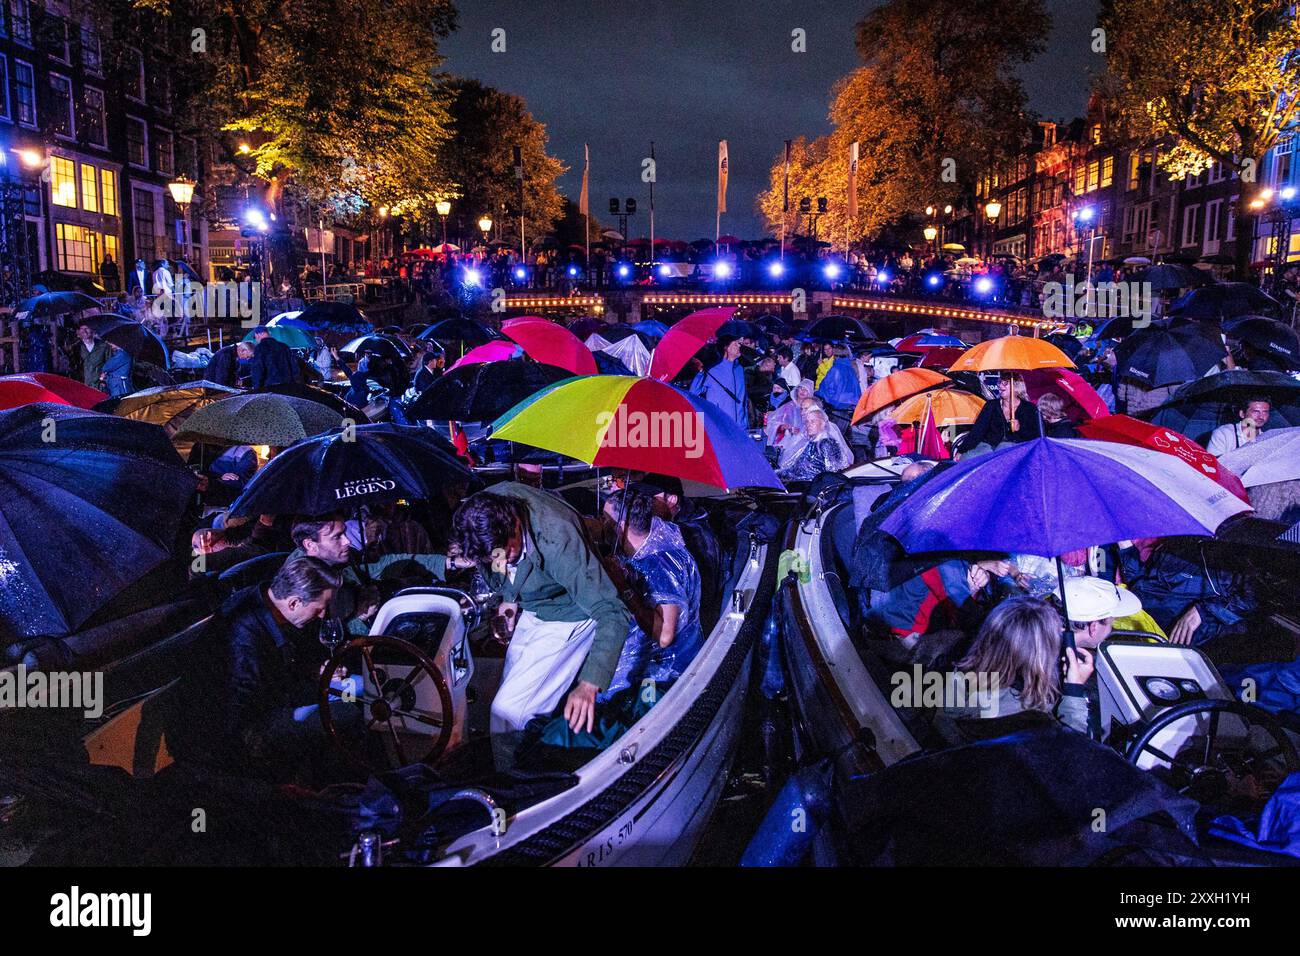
[117, 373]
[934, 597]
[840, 387]
[724, 386]
[273, 364]
[1169, 584]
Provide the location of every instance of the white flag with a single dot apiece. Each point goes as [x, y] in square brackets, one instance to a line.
[586, 166]
[722, 176]
[853, 181]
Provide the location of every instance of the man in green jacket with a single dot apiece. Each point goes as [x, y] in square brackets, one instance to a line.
[571, 624]
[94, 353]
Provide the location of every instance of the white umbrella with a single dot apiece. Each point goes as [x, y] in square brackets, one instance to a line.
[1137, 261]
[596, 342]
[1274, 456]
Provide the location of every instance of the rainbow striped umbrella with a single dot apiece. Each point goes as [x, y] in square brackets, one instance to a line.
[620, 421]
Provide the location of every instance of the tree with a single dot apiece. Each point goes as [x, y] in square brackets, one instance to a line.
[478, 161]
[1220, 79]
[929, 109]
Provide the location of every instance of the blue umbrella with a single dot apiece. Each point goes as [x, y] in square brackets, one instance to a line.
[1158, 356]
[652, 328]
[349, 467]
[1226, 300]
[82, 516]
[1049, 496]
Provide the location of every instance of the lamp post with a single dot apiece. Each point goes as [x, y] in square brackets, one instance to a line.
[485, 225]
[992, 209]
[444, 210]
[182, 190]
[1087, 214]
[931, 234]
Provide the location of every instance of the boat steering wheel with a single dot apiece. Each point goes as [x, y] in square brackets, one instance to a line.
[396, 699]
[1194, 767]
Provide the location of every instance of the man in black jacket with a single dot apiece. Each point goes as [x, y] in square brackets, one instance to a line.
[273, 362]
[223, 367]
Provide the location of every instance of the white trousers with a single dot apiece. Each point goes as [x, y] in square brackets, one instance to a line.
[542, 660]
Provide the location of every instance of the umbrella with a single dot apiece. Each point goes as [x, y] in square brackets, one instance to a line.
[498, 350]
[131, 336]
[620, 421]
[1119, 327]
[1171, 276]
[293, 337]
[613, 234]
[1199, 407]
[952, 247]
[1268, 336]
[1158, 355]
[82, 517]
[1274, 456]
[349, 468]
[459, 330]
[651, 328]
[69, 282]
[1137, 261]
[168, 406]
[608, 364]
[374, 344]
[942, 358]
[728, 240]
[1011, 353]
[951, 406]
[631, 352]
[922, 341]
[895, 387]
[1069, 344]
[1082, 400]
[840, 328]
[291, 319]
[1226, 300]
[259, 418]
[50, 304]
[685, 338]
[25, 388]
[770, 323]
[483, 392]
[740, 329]
[1049, 496]
[586, 326]
[1130, 431]
[621, 331]
[551, 344]
[319, 315]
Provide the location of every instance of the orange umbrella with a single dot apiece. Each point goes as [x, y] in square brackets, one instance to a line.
[951, 406]
[1012, 353]
[896, 387]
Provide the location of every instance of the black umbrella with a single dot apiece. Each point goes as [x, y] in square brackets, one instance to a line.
[607, 364]
[617, 333]
[1069, 344]
[483, 392]
[1169, 275]
[69, 282]
[771, 323]
[1226, 300]
[1267, 336]
[321, 315]
[321, 396]
[378, 345]
[51, 304]
[131, 336]
[83, 516]
[740, 329]
[836, 328]
[584, 327]
[1158, 355]
[350, 467]
[1199, 407]
[468, 331]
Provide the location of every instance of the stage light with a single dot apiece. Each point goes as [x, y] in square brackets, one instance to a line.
[983, 285]
[624, 270]
[722, 270]
[473, 277]
[832, 270]
[776, 270]
[933, 280]
[521, 273]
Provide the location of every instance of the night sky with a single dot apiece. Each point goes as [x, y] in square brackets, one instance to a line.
[685, 73]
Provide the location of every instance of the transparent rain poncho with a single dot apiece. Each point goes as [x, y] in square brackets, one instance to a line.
[663, 572]
[804, 457]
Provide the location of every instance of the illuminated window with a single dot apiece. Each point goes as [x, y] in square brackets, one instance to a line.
[74, 247]
[1107, 171]
[1094, 168]
[89, 194]
[63, 182]
[108, 182]
[1080, 180]
[110, 246]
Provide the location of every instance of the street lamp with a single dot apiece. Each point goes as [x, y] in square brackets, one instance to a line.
[485, 224]
[992, 209]
[182, 190]
[931, 234]
[444, 210]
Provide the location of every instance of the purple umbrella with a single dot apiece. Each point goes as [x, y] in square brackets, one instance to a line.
[1050, 496]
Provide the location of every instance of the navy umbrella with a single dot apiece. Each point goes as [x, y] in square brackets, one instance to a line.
[51, 304]
[607, 364]
[459, 330]
[835, 328]
[1199, 407]
[350, 467]
[89, 504]
[621, 331]
[740, 329]
[131, 336]
[376, 344]
[320, 315]
[1226, 300]
[1267, 336]
[483, 392]
[1069, 344]
[1173, 276]
[1159, 355]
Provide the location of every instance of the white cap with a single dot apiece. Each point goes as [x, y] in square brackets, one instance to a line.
[1092, 599]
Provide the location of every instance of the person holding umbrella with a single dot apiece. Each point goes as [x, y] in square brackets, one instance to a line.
[724, 383]
[1253, 413]
[94, 353]
[117, 371]
[1012, 418]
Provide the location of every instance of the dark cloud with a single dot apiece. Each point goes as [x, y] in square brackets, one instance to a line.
[686, 73]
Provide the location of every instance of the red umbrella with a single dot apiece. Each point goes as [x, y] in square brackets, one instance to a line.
[28, 387]
[642, 241]
[686, 338]
[1130, 431]
[551, 344]
[1082, 400]
[728, 240]
[941, 358]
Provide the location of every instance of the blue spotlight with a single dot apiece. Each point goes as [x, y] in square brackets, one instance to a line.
[722, 270]
[473, 277]
[776, 269]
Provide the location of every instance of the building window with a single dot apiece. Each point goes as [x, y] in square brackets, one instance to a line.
[4, 84]
[146, 235]
[1231, 232]
[1213, 221]
[133, 75]
[61, 102]
[161, 95]
[92, 116]
[1283, 153]
[89, 192]
[91, 56]
[1080, 180]
[1107, 171]
[163, 159]
[25, 80]
[108, 192]
[1094, 168]
[20, 15]
[1192, 225]
[137, 142]
[54, 37]
[74, 247]
[63, 182]
[187, 157]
